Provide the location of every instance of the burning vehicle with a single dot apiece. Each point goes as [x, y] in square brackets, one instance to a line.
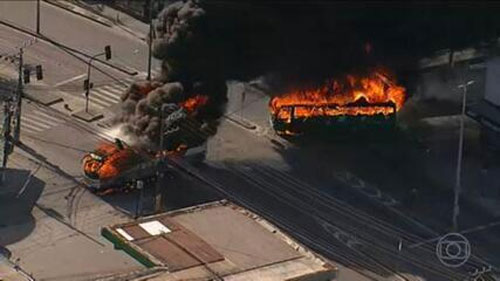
[117, 166]
[363, 103]
[103, 167]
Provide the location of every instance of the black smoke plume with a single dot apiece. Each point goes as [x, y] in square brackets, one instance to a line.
[202, 44]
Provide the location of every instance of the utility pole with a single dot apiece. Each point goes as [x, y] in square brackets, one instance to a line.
[86, 84]
[19, 95]
[150, 41]
[456, 208]
[37, 16]
[243, 97]
[19, 90]
[158, 187]
[7, 118]
[159, 165]
[138, 207]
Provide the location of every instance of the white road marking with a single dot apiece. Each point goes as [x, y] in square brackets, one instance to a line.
[34, 122]
[101, 95]
[70, 80]
[104, 135]
[28, 181]
[40, 119]
[41, 113]
[27, 130]
[31, 127]
[116, 89]
[108, 93]
[96, 100]
[129, 79]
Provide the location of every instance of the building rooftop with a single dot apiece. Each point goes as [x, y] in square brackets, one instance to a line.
[217, 241]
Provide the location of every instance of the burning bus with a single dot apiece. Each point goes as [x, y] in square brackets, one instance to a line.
[117, 166]
[353, 104]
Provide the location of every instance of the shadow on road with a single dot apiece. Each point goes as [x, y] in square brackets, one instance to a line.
[405, 174]
[18, 196]
[179, 191]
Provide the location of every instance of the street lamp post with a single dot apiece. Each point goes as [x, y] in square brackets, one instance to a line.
[138, 207]
[38, 17]
[159, 167]
[150, 41]
[456, 208]
[6, 137]
[87, 84]
[19, 97]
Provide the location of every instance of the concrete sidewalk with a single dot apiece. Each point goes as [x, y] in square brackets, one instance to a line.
[105, 15]
[58, 219]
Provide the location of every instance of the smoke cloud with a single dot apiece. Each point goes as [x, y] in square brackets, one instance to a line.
[296, 44]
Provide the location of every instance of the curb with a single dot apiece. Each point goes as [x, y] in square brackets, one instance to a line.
[43, 100]
[101, 20]
[242, 122]
[140, 36]
[95, 17]
[87, 116]
[67, 49]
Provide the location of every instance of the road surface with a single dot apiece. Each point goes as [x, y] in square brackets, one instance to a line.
[312, 192]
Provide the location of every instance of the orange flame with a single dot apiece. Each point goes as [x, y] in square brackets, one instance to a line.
[113, 161]
[108, 161]
[377, 91]
[193, 103]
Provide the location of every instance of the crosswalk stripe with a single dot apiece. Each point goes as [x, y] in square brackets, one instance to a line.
[116, 89]
[39, 122]
[28, 130]
[40, 119]
[35, 122]
[104, 135]
[95, 99]
[31, 127]
[107, 93]
[41, 113]
[129, 80]
[106, 98]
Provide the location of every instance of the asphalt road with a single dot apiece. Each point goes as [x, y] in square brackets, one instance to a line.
[77, 32]
[248, 168]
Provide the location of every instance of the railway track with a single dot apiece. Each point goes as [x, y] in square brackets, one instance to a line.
[360, 232]
[329, 226]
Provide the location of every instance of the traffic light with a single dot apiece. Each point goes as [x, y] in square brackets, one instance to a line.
[39, 72]
[107, 51]
[26, 75]
[86, 84]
